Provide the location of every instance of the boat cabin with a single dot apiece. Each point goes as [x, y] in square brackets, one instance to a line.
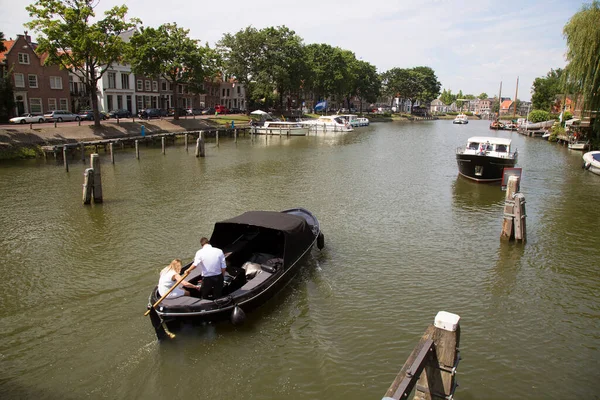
[489, 146]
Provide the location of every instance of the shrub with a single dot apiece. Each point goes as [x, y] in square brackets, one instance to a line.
[539, 116]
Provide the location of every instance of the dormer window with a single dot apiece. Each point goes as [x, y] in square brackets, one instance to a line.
[23, 58]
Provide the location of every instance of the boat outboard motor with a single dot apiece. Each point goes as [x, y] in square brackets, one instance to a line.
[238, 316]
[321, 241]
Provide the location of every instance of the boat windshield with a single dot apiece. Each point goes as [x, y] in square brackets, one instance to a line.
[473, 146]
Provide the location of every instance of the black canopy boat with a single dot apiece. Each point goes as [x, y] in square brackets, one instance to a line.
[264, 250]
[484, 158]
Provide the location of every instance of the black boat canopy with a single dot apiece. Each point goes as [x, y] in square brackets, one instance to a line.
[296, 231]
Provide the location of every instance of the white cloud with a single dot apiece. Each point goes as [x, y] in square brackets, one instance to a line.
[472, 45]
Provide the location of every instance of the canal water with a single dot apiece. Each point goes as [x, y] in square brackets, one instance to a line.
[405, 238]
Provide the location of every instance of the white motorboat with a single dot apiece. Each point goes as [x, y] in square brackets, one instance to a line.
[328, 123]
[281, 128]
[579, 145]
[461, 119]
[591, 162]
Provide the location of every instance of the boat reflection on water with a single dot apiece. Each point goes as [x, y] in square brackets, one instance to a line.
[471, 195]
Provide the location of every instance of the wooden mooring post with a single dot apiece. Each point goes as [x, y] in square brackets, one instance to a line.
[513, 223]
[65, 159]
[217, 137]
[137, 149]
[112, 152]
[163, 144]
[235, 135]
[200, 145]
[185, 138]
[431, 367]
[97, 183]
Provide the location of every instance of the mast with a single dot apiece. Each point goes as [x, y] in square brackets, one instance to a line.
[516, 92]
[499, 101]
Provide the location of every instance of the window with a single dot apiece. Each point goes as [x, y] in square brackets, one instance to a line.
[227, 92]
[32, 81]
[139, 84]
[119, 102]
[112, 80]
[51, 104]
[109, 102]
[223, 93]
[140, 102]
[154, 86]
[64, 105]
[23, 58]
[147, 86]
[19, 80]
[180, 87]
[55, 82]
[238, 88]
[35, 106]
[124, 81]
[163, 85]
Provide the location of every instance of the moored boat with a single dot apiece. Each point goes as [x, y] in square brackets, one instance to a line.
[497, 125]
[328, 123]
[484, 158]
[580, 145]
[591, 162]
[264, 250]
[280, 128]
[355, 120]
[461, 119]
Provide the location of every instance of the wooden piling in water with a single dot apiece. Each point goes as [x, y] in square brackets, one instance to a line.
[162, 142]
[137, 149]
[82, 151]
[65, 159]
[431, 367]
[112, 152]
[217, 137]
[186, 140]
[200, 145]
[513, 223]
[97, 191]
[88, 183]
[235, 135]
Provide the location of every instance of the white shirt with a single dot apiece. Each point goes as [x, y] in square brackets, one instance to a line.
[211, 259]
[166, 282]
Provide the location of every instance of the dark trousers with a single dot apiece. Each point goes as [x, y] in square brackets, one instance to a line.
[212, 286]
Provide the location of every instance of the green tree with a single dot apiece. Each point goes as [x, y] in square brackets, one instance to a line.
[326, 66]
[368, 83]
[430, 86]
[582, 73]
[168, 52]
[2, 47]
[545, 89]
[538, 116]
[447, 98]
[483, 96]
[77, 42]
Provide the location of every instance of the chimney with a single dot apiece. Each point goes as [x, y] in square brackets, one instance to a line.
[27, 37]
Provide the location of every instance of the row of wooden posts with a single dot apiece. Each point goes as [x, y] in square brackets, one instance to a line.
[513, 223]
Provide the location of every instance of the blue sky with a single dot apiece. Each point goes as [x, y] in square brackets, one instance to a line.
[471, 45]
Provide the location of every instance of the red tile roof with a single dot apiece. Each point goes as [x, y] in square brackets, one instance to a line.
[8, 44]
[506, 104]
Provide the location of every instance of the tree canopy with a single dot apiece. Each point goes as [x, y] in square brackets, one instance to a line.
[419, 83]
[545, 89]
[168, 52]
[74, 42]
[582, 73]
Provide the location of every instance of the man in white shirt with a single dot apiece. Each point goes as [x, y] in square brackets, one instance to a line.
[212, 262]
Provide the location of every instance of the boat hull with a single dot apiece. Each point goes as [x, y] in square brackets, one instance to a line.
[482, 168]
[591, 162]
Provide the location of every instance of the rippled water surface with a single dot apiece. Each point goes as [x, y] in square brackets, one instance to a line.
[405, 238]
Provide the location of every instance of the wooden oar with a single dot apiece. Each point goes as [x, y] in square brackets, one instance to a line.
[169, 291]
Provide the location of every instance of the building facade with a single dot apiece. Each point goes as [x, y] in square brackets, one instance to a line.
[38, 88]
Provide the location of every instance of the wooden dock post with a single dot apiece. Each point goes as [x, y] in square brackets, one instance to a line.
[185, 138]
[200, 145]
[431, 367]
[97, 191]
[137, 149]
[88, 184]
[82, 151]
[162, 142]
[65, 159]
[112, 152]
[235, 135]
[217, 137]
[513, 223]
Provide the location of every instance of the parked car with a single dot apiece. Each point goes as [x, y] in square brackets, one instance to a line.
[208, 111]
[194, 111]
[27, 118]
[180, 111]
[60, 116]
[152, 113]
[221, 109]
[120, 113]
[88, 115]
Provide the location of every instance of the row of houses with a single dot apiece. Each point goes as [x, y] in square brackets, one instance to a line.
[40, 88]
[480, 106]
